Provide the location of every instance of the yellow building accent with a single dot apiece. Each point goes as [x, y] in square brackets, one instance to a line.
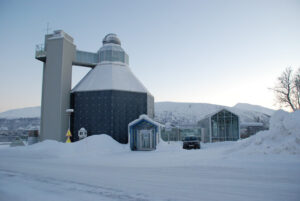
[68, 135]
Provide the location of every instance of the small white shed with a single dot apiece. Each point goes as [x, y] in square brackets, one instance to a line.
[144, 134]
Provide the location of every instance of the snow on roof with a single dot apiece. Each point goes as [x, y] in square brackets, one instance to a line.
[145, 117]
[110, 76]
[245, 124]
[60, 34]
[217, 111]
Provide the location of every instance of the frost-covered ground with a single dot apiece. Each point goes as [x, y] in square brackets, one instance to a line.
[263, 167]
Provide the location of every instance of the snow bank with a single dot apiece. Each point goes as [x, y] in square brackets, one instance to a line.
[168, 147]
[91, 146]
[283, 136]
[98, 144]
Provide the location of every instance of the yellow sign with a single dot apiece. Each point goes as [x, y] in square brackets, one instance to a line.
[68, 135]
[68, 140]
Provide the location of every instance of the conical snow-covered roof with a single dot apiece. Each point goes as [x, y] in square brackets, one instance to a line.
[112, 71]
[110, 76]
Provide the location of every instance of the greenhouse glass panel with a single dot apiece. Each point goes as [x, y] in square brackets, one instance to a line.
[224, 126]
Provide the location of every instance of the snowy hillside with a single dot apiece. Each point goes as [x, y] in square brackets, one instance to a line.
[28, 112]
[257, 108]
[191, 113]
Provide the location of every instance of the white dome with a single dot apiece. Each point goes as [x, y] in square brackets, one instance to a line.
[111, 38]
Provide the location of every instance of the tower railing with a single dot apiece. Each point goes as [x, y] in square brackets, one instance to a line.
[40, 52]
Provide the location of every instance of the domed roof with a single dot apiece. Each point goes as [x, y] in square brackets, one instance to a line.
[111, 38]
[111, 51]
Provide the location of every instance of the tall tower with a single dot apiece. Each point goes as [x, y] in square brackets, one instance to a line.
[59, 54]
[57, 78]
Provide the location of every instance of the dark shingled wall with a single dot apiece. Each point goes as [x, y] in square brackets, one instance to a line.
[108, 111]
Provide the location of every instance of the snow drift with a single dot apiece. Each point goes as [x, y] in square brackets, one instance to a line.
[283, 136]
[92, 146]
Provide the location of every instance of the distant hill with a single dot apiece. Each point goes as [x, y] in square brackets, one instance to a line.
[257, 108]
[27, 112]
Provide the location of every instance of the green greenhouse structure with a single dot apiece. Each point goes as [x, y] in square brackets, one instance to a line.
[222, 125]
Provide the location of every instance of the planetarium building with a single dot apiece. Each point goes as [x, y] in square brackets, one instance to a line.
[109, 97]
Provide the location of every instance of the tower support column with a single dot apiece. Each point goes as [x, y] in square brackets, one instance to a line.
[57, 80]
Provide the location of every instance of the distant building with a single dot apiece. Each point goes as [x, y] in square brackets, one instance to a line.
[176, 133]
[251, 128]
[221, 125]
[170, 133]
[144, 134]
[190, 130]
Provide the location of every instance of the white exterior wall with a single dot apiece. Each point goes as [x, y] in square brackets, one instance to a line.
[57, 77]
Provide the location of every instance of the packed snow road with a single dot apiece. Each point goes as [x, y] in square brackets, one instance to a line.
[84, 172]
[21, 186]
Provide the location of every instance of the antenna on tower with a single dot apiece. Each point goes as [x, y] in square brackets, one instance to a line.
[48, 28]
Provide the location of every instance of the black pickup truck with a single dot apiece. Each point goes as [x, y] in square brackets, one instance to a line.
[191, 142]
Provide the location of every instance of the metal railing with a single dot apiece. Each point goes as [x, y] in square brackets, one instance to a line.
[40, 51]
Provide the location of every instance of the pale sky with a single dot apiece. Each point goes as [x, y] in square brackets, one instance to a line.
[219, 52]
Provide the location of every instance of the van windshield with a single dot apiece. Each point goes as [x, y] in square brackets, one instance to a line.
[190, 138]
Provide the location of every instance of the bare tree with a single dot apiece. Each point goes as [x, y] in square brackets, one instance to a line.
[287, 89]
[297, 86]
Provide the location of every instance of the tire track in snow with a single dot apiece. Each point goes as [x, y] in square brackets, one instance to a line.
[71, 186]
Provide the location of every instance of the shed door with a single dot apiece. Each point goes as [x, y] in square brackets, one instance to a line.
[145, 139]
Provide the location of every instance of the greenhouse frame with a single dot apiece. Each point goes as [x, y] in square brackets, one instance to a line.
[222, 125]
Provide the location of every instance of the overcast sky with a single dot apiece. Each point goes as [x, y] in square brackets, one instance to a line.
[219, 52]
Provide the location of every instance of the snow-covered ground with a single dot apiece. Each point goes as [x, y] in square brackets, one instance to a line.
[98, 168]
